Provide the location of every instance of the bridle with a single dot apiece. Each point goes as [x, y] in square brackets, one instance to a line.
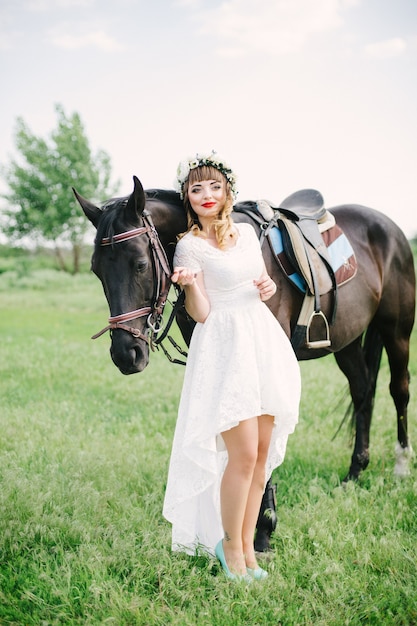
[162, 281]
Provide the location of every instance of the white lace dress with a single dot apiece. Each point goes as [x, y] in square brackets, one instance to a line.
[240, 364]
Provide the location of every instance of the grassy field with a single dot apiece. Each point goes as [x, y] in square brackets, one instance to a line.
[83, 462]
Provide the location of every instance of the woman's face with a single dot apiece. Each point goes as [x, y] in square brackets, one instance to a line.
[207, 198]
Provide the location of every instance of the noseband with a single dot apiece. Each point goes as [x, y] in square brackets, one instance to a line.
[162, 275]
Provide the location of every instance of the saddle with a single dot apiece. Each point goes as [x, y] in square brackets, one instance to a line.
[313, 253]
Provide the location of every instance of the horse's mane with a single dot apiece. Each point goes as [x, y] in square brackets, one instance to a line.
[165, 195]
[110, 212]
[111, 209]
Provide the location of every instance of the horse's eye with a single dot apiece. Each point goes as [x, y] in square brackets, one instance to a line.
[141, 265]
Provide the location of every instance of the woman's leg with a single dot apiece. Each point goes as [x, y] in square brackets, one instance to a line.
[265, 426]
[242, 448]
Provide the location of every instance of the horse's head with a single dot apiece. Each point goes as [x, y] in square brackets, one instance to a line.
[131, 263]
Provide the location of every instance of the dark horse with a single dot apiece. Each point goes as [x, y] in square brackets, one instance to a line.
[133, 256]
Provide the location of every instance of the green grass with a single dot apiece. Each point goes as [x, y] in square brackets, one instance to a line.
[83, 462]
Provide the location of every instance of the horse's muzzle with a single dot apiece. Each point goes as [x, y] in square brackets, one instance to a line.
[130, 355]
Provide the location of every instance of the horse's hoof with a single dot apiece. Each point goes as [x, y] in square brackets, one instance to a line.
[403, 457]
[262, 542]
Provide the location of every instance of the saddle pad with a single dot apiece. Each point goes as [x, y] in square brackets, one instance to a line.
[342, 256]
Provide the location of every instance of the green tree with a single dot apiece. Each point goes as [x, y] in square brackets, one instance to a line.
[40, 202]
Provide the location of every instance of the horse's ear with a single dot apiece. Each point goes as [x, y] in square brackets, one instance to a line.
[136, 202]
[92, 212]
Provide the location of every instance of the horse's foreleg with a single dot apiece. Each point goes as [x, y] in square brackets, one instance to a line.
[352, 362]
[267, 519]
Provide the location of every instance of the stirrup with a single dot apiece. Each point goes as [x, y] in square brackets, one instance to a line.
[321, 343]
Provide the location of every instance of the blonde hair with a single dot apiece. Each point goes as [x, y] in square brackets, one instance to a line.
[223, 223]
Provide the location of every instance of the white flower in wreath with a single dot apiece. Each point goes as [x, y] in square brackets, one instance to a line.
[194, 163]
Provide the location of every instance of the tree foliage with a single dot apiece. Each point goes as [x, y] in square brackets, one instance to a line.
[40, 202]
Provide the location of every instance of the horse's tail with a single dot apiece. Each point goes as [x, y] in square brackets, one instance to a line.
[372, 349]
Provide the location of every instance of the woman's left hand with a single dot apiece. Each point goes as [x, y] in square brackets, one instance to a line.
[266, 287]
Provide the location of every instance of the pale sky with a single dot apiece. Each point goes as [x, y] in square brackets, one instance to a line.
[293, 93]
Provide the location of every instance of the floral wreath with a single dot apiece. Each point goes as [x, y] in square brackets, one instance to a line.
[210, 159]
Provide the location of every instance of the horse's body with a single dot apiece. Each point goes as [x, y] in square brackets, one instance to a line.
[378, 304]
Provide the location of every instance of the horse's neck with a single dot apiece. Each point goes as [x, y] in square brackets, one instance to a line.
[169, 220]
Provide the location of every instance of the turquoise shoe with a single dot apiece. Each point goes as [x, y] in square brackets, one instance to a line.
[258, 573]
[220, 555]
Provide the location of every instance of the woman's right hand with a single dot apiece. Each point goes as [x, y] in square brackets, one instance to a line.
[196, 300]
[183, 276]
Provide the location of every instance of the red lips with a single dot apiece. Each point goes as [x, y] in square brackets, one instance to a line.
[208, 205]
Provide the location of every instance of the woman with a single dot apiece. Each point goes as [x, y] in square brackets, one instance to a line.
[241, 388]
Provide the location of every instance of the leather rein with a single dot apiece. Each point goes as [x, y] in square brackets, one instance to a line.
[162, 276]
